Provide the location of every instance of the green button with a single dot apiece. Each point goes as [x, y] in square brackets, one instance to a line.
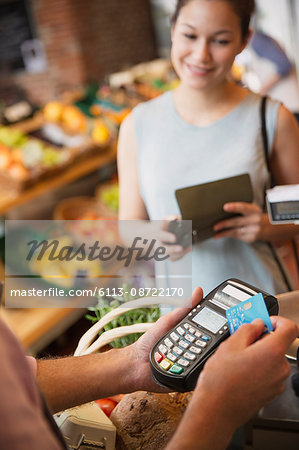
[176, 369]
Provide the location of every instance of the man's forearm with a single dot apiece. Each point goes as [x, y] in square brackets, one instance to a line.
[71, 381]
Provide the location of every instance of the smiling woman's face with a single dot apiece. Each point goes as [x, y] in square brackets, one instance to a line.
[205, 40]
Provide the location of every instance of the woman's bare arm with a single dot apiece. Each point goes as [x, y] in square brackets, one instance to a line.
[284, 165]
[131, 205]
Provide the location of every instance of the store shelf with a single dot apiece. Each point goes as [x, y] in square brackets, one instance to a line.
[37, 327]
[76, 170]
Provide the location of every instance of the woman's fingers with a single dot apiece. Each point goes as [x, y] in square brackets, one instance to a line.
[244, 227]
[244, 233]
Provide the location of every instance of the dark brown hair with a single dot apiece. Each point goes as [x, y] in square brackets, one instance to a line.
[243, 8]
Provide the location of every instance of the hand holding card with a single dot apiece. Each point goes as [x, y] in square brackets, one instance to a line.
[247, 311]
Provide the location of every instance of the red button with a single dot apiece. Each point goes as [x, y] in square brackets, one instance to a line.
[158, 357]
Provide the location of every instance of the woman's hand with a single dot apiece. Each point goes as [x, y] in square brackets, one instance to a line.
[246, 227]
[175, 250]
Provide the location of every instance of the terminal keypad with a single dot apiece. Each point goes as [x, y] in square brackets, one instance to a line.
[181, 348]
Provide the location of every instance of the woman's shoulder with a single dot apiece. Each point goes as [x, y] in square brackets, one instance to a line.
[257, 98]
[254, 105]
[156, 105]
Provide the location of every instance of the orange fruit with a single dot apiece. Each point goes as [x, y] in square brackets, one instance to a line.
[17, 170]
[73, 119]
[100, 134]
[53, 111]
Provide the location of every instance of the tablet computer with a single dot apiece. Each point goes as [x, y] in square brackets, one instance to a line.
[203, 203]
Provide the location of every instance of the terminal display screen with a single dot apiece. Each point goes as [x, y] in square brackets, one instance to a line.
[287, 207]
[210, 320]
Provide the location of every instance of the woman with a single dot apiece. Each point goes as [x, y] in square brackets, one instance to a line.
[208, 128]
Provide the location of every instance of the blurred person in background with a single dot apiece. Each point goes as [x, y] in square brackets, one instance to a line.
[209, 128]
[269, 71]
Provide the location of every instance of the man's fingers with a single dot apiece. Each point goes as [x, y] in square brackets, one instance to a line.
[171, 319]
[179, 313]
[197, 296]
[246, 335]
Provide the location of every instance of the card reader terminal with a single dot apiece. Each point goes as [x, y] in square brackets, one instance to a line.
[179, 356]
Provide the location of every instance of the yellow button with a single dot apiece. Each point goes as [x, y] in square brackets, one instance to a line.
[165, 364]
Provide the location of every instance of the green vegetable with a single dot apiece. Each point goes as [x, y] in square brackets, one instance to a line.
[140, 315]
[109, 196]
[51, 157]
[12, 137]
[32, 153]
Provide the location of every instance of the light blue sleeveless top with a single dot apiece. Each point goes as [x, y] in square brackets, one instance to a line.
[173, 154]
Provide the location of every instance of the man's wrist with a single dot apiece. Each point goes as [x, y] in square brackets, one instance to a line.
[205, 425]
[126, 380]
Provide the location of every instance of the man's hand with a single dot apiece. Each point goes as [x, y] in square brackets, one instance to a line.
[140, 350]
[242, 376]
[247, 372]
[245, 227]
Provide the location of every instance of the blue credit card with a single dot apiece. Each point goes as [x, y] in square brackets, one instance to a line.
[247, 311]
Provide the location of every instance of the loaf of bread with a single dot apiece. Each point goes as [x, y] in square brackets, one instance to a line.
[147, 421]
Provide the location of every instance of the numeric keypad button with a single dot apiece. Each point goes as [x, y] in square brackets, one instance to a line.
[175, 337]
[178, 350]
[190, 338]
[163, 349]
[201, 344]
[184, 344]
[181, 331]
[182, 362]
[168, 343]
[195, 349]
[172, 357]
[189, 356]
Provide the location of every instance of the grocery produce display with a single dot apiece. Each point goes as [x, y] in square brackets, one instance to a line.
[92, 113]
[145, 420]
[60, 273]
[24, 158]
[144, 81]
[107, 405]
[71, 121]
[78, 123]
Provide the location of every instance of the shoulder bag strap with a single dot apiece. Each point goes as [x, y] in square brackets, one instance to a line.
[264, 133]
